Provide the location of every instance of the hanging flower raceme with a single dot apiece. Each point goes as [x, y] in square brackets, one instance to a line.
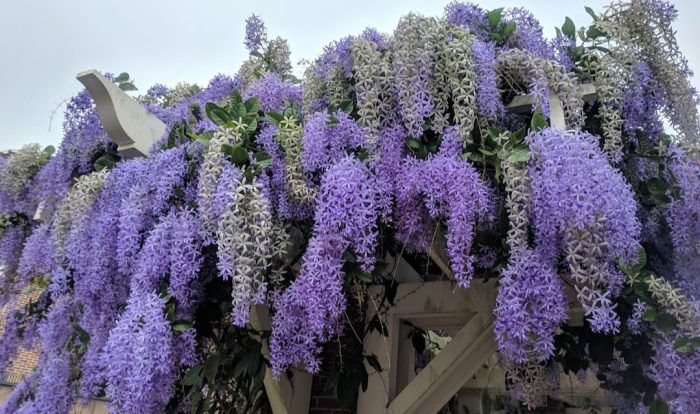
[248, 240]
[325, 143]
[584, 208]
[308, 312]
[530, 307]
[17, 171]
[413, 63]
[139, 357]
[210, 173]
[678, 376]
[684, 219]
[274, 92]
[442, 187]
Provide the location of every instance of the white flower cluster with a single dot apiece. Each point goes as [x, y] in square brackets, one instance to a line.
[179, 93]
[454, 78]
[74, 208]
[586, 250]
[313, 92]
[368, 72]
[608, 77]
[532, 382]
[248, 243]
[413, 60]
[289, 135]
[517, 203]
[644, 28]
[20, 168]
[675, 303]
[212, 167]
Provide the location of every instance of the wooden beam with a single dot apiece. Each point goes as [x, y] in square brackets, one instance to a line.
[437, 254]
[128, 123]
[429, 305]
[442, 378]
[522, 104]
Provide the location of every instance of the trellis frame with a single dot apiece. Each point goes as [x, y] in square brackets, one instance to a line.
[468, 313]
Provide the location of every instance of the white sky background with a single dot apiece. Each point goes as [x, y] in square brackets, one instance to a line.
[44, 44]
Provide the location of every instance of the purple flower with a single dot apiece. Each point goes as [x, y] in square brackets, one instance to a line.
[581, 203]
[255, 33]
[307, 313]
[530, 307]
[488, 97]
[324, 144]
[442, 187]
[470, 16]
[273, 92]
[140, 358]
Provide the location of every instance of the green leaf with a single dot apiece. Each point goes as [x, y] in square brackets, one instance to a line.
[418, 341]
[683, 345]
[123, 77]
[128, 86]
[193, 376]
[666, 323]
[364, 277]
[105, 162]
[656, 186]
[538, 121]
[591, 13]
[274, 117]
[493, 132]
[509, 29]
[520, 154]
[569, 28]
[650, 315]
[181, 326]
[237, 155]
[373, 361]
[660, 199]
[495, 17]
[593, 33]
[236, 105]
[217, 114]
[414, 143]
[49, 151]
[485, 402]
[641, 258]
[346, 106]
[204, 138]
[658, 407]
[252, 105]
[211, 368]
[333, 121]
[263, 159]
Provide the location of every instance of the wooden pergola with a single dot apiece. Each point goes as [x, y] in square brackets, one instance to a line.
[465, 314]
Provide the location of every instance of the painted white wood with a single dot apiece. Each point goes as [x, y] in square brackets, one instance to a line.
[446, 373]
[288, 395]
[523, 104]
[436, 251]
[125, 120]
[44, 211]
[430, 305]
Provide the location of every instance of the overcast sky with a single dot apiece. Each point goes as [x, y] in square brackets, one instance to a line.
[43, 44]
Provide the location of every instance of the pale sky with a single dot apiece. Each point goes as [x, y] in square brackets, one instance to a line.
[44, 44]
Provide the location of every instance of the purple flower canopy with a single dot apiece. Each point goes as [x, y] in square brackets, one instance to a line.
[388, 142]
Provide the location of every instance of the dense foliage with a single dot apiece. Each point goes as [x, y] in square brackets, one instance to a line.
[270, 190]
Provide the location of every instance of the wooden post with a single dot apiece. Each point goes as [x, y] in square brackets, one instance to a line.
[125, 120]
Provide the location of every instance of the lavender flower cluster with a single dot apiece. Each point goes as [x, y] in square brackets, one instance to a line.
[127, 253]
